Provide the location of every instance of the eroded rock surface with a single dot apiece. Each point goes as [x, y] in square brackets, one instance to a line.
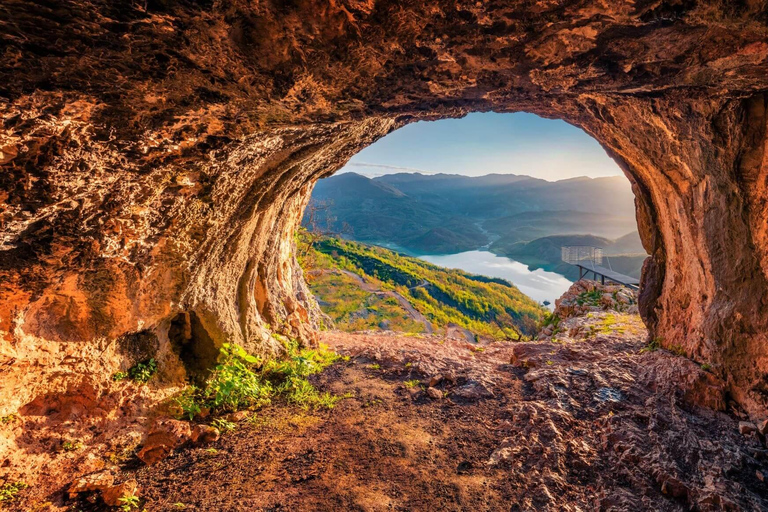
[156, 157]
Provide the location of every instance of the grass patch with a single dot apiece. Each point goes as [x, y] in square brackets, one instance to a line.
[678, 350]
[411, 383]
[243, 381]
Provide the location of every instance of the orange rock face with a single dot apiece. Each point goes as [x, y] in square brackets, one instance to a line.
[156, 158]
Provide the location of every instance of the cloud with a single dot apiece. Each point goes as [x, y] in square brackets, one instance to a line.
[365, 165]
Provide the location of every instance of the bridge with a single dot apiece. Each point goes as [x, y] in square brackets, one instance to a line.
[589, 261]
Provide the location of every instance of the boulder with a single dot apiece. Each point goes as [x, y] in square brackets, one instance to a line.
[93, 482]
[166, 435]
[205, 434]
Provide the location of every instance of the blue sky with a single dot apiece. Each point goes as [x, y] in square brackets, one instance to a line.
[485, 143]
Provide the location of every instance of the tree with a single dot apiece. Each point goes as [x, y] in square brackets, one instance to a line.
[320, 223]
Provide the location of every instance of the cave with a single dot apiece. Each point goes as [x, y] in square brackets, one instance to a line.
[157, 157]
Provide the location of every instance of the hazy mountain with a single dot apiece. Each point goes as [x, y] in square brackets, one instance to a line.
[446, 213]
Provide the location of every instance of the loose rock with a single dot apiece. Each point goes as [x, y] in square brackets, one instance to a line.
[747, 427]
[165, 435]
[205, 434]
[433, 393]
[93, 482]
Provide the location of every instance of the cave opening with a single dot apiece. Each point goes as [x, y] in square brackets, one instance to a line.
[157, 158]
[500, 196]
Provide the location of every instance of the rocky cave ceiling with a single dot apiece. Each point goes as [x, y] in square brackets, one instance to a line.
[156, 155]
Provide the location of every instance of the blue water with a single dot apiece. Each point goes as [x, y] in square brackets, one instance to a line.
[539, 284]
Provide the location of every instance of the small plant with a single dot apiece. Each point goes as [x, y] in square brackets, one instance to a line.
[211, 451]
[408, 365]
[128, 503]
[143, 371]
[118, 376]
[9, 491]
[179, 505]
[374, 366]
[477, 349]
[550, 363]
[590, 298]
[223, 425]
[652, 346]
[411, 383]
[706, 367]
[678, 350]
[187, 402]
[72, 446]
[8, 419]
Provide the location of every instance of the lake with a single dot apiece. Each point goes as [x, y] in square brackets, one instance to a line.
[539, 284]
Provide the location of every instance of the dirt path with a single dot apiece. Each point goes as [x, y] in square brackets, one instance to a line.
[412, 312]
[585, 422]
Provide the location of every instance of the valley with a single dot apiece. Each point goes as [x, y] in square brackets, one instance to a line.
[521, 218]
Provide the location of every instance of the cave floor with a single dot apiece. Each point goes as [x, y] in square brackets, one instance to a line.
[586, 422]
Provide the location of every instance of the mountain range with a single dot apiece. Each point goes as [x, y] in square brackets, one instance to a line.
[512, 215]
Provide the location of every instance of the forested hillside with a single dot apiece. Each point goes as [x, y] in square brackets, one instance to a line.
[367, 287]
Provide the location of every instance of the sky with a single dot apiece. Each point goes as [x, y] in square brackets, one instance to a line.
[487, 143]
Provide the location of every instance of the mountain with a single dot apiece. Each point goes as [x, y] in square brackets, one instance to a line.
[446, 213]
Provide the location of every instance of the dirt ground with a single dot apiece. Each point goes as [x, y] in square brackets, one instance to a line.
[582, 422]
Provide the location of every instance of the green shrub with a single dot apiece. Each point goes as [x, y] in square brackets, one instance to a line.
[241, 380]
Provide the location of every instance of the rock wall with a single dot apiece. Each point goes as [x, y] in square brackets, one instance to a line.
[156, 156]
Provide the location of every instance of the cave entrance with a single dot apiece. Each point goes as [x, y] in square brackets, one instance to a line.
[493, 196]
